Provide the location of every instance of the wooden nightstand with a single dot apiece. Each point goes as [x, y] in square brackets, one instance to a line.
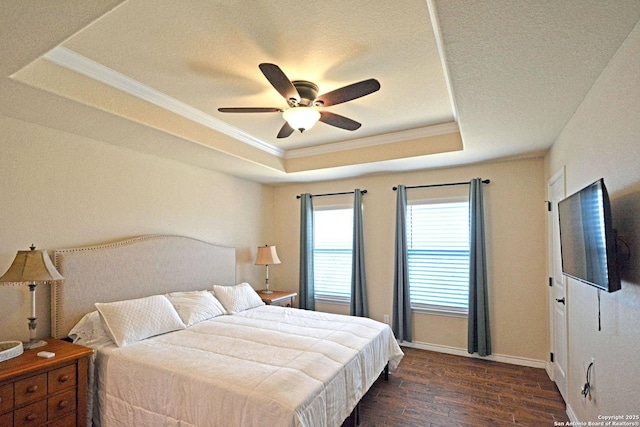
[284, 299]
[53, 392]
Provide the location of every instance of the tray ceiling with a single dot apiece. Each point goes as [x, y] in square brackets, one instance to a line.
[460, 82]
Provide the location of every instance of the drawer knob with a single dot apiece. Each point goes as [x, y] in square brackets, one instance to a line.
[32, 388]
[63, 404]
[63, 379]
[31, 417]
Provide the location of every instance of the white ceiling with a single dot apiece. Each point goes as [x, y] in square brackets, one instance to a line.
[150, 75]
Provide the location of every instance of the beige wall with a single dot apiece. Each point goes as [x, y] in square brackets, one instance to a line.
[515, 217]
[59, 190]
[602, 140]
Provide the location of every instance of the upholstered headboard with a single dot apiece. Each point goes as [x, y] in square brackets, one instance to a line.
[134, 268]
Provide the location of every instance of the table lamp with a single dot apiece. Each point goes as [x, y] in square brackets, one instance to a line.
[267, 255]
[32, 267]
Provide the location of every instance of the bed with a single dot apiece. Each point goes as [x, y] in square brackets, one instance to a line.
[179, 343]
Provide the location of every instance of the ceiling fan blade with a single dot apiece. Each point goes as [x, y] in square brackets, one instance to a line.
[280, 81]
[348, 93]
[250, 110]
[285, 131]
[338, 121]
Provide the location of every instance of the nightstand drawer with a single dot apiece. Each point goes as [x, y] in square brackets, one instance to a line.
[285, 302]
[6, 399]
[6, 419]
[32, 415]
[68, 421]
[30, 389]
[62, 378]
[62, 404]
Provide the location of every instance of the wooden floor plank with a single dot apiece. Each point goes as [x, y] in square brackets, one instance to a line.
[432, 389]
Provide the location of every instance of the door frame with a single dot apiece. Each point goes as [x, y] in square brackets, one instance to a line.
[551, 366]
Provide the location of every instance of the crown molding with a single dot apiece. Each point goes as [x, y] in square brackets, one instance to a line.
[435, 25]
[372, 141]
[74, 61]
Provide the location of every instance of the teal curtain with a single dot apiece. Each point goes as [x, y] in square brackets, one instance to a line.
[479, 337]
[401, 303]
[359, 305]
[306, 298]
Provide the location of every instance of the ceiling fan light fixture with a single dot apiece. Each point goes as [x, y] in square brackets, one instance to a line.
[301, 118]
[302, 95]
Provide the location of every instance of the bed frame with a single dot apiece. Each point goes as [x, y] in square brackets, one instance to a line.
[134, 268]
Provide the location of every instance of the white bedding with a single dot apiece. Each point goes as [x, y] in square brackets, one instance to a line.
[267, 366]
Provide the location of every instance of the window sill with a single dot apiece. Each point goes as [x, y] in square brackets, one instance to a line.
[332, 299]
[441, 311]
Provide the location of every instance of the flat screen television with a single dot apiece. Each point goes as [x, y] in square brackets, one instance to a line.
[587, 238]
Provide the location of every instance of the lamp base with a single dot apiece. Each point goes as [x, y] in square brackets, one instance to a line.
[267, 292]
[34, 344]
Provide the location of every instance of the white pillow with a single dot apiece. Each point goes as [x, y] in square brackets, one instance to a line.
[89, 331]
[237, 298]
[195, 306]
[136, 319]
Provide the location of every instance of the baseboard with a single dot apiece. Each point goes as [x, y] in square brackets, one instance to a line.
[549, 368]
[572, 415]
[513, 360]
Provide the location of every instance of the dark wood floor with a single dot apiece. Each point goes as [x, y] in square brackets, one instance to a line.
[439, 390]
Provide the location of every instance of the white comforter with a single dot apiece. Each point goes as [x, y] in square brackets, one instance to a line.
[268, 366]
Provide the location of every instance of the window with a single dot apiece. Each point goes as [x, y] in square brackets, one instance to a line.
[333, 237]
[438, 256]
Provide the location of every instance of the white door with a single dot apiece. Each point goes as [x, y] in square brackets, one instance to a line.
[557, 291]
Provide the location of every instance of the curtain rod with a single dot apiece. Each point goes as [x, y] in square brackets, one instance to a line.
[334, 194]
[485, 181]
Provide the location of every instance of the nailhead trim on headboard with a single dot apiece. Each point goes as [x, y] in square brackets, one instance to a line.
[161, 266]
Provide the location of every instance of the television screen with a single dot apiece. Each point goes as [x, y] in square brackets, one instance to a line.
[587, 238]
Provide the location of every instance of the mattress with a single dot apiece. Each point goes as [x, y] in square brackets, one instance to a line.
[267, 366]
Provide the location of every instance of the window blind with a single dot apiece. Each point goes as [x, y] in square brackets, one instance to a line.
[333, 237]
[438, 256]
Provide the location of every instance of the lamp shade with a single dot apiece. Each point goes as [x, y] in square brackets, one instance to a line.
[267, 255]
[301, 118]
[31, 266]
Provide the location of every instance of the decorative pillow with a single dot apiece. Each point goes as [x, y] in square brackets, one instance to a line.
[237, 298]
[89, 331]
[196, 306]
[136, 319]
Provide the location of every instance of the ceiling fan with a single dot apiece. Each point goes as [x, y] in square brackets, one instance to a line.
[302, 97]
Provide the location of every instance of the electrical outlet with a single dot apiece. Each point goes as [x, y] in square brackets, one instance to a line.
[386, 319]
